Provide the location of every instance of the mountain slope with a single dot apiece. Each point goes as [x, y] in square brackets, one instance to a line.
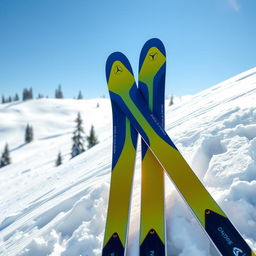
[61, 211]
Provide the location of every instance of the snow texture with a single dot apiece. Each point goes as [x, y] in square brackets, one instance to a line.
[61, 211]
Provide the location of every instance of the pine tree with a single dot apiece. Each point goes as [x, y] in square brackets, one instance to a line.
[3, 99]
[59, 93]
[92, 138]
[5, 159]
[29, 134]
[171, 100]
[59, 160]
[16, 97]
[80, 96]
[30, 93]
[27, 94]
[78, 138]
[9, 99]
[40, 96]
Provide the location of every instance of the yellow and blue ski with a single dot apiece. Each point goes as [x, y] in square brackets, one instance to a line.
[152, 208]
[152, 84]
[124, 93]
[123, 159]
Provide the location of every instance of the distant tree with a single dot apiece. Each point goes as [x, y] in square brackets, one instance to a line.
[40, 96]
[27, 94]
[30, 93]
[29, 134]
[16, 97]
[80, 96]
[92, 138]
[58, 160]
[78, 137]
[5, 158]
[171, 100]
[9, 99]
[3, 99]
[59, 93]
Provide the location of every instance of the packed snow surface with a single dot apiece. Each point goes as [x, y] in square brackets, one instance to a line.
[61, 211]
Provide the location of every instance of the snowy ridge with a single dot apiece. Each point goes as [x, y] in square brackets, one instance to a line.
[61, 211]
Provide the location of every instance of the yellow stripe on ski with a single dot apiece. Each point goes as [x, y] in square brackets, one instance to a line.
[152, 191]
[120, 191]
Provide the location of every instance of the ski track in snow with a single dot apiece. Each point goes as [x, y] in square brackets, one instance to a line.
[61, 211]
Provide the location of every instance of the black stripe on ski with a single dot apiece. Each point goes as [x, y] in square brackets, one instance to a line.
[113, 247]
[150, 243]
[225, 236]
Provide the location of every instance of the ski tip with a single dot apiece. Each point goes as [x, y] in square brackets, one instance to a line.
[153, 42]
[117, 56]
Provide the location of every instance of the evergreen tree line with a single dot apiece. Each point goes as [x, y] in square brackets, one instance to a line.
[27, 94]
[10, 99]
[78, 145]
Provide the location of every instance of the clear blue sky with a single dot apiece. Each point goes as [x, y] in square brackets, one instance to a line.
[44, 43]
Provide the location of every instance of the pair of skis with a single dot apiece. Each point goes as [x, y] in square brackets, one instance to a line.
[152, 228]
[133, 111]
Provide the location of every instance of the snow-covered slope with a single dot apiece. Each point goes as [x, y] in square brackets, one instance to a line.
[61, 211]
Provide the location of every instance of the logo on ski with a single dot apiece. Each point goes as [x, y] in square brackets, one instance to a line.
[152, 231]
[152, 56]
[225, 236]
[238, 252]
[151, 253]
[118, 70]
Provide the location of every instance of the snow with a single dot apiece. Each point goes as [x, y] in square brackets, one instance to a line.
[61, 211]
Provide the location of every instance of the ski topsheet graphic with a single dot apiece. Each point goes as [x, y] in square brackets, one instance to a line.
[151, 85]
[124, 152]
[124, 93]
[152, 212]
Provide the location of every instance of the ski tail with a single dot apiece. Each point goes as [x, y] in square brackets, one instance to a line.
[123, 161]
[124, 93]
[152, 86]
